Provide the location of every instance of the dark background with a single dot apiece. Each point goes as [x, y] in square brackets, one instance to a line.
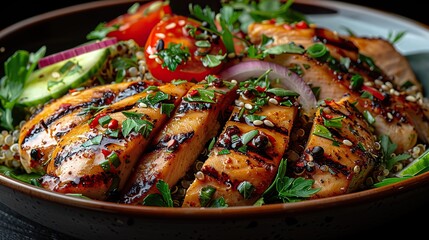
[14, 11]
[15, 227]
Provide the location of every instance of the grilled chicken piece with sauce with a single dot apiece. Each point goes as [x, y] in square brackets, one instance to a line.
[246, 155]
[96, 158]
[341, 150]
[42, 132]
[182, 140]
[382, 52]
[390, 108]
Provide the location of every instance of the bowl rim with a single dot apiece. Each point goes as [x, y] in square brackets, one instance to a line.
[370, 195]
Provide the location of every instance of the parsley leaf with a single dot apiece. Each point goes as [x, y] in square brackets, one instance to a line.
[101, 31]
[161, 199]
[135, 123]
[286, 189]
[173, 55]
[17, 68]
[388, 148]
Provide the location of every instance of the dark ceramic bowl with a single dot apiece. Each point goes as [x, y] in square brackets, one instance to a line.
[392, 208]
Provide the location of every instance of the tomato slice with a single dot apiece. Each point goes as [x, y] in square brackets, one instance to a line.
[137, 25]
[176, 30]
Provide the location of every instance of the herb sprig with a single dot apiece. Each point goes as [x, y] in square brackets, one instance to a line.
[18, 68]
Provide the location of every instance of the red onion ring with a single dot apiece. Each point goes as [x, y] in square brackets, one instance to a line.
[290, 80]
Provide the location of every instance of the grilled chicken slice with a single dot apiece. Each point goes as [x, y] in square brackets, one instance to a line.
[179, 144]
[335, 81]
[246, 155]
[384, 54]
[341, 150]
[42, 132]
[389, 60]
[96, 157]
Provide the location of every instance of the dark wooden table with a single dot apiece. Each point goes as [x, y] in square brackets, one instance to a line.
[17, 227]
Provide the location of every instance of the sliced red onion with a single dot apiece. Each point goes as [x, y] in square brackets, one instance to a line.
[73, 52]
[290, 80]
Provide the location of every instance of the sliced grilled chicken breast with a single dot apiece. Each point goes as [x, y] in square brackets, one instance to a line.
[247, 155]
[181, 141]
[335, 81]
[341, 150]
[42, 132]
[96, 157]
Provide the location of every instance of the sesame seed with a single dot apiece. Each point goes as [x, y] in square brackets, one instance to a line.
[356, 169]
[386, 172]
[268, 123]
[347, 142]
[378, 82]
[396, 93]
[273, 101]
[153, 56]
[142, 105]
[231, 55]
[377, 145]
[257, 122]
[385, 87]
[239, 103]
[324, 168]
[170, 26]
[181, 23]
[410, 98]
[389, 84]
[389, 115]
[160, 35]
[310, 164]
[159, 61]
[56, 75]
[368, 84]
[248, 106]
[75, 93]
[199, 175]
[233, 81]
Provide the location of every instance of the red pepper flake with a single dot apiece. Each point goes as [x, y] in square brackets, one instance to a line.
[301, 25]
[113, 124]
[260, 89]
[374, 92]
[193, 93]
[300, 164]
[94, 122]
[287, 27]
[65, 105]
[329, 101]
[327, 116]
[106, 152]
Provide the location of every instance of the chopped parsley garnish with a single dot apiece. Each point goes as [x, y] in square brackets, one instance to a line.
[17, 69]
[281, 92]
[206, 195]
[161, 199]
[210, 60]
[93, 141]
[135, 124]
[204, 95]
[173, 55]
[101, 31]
[91, 109]
[167, 108]
[333, 122]
[322, 131]
[285, 189]
[356, 81]
[153, 99]
[388, 148]
[246, 189]
[223, 152]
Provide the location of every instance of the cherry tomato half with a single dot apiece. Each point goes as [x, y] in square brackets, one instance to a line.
[137, 25]
[176, 30]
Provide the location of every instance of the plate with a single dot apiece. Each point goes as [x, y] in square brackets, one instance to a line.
[341, 216]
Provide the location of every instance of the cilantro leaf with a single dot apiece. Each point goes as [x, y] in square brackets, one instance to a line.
[101, 31]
